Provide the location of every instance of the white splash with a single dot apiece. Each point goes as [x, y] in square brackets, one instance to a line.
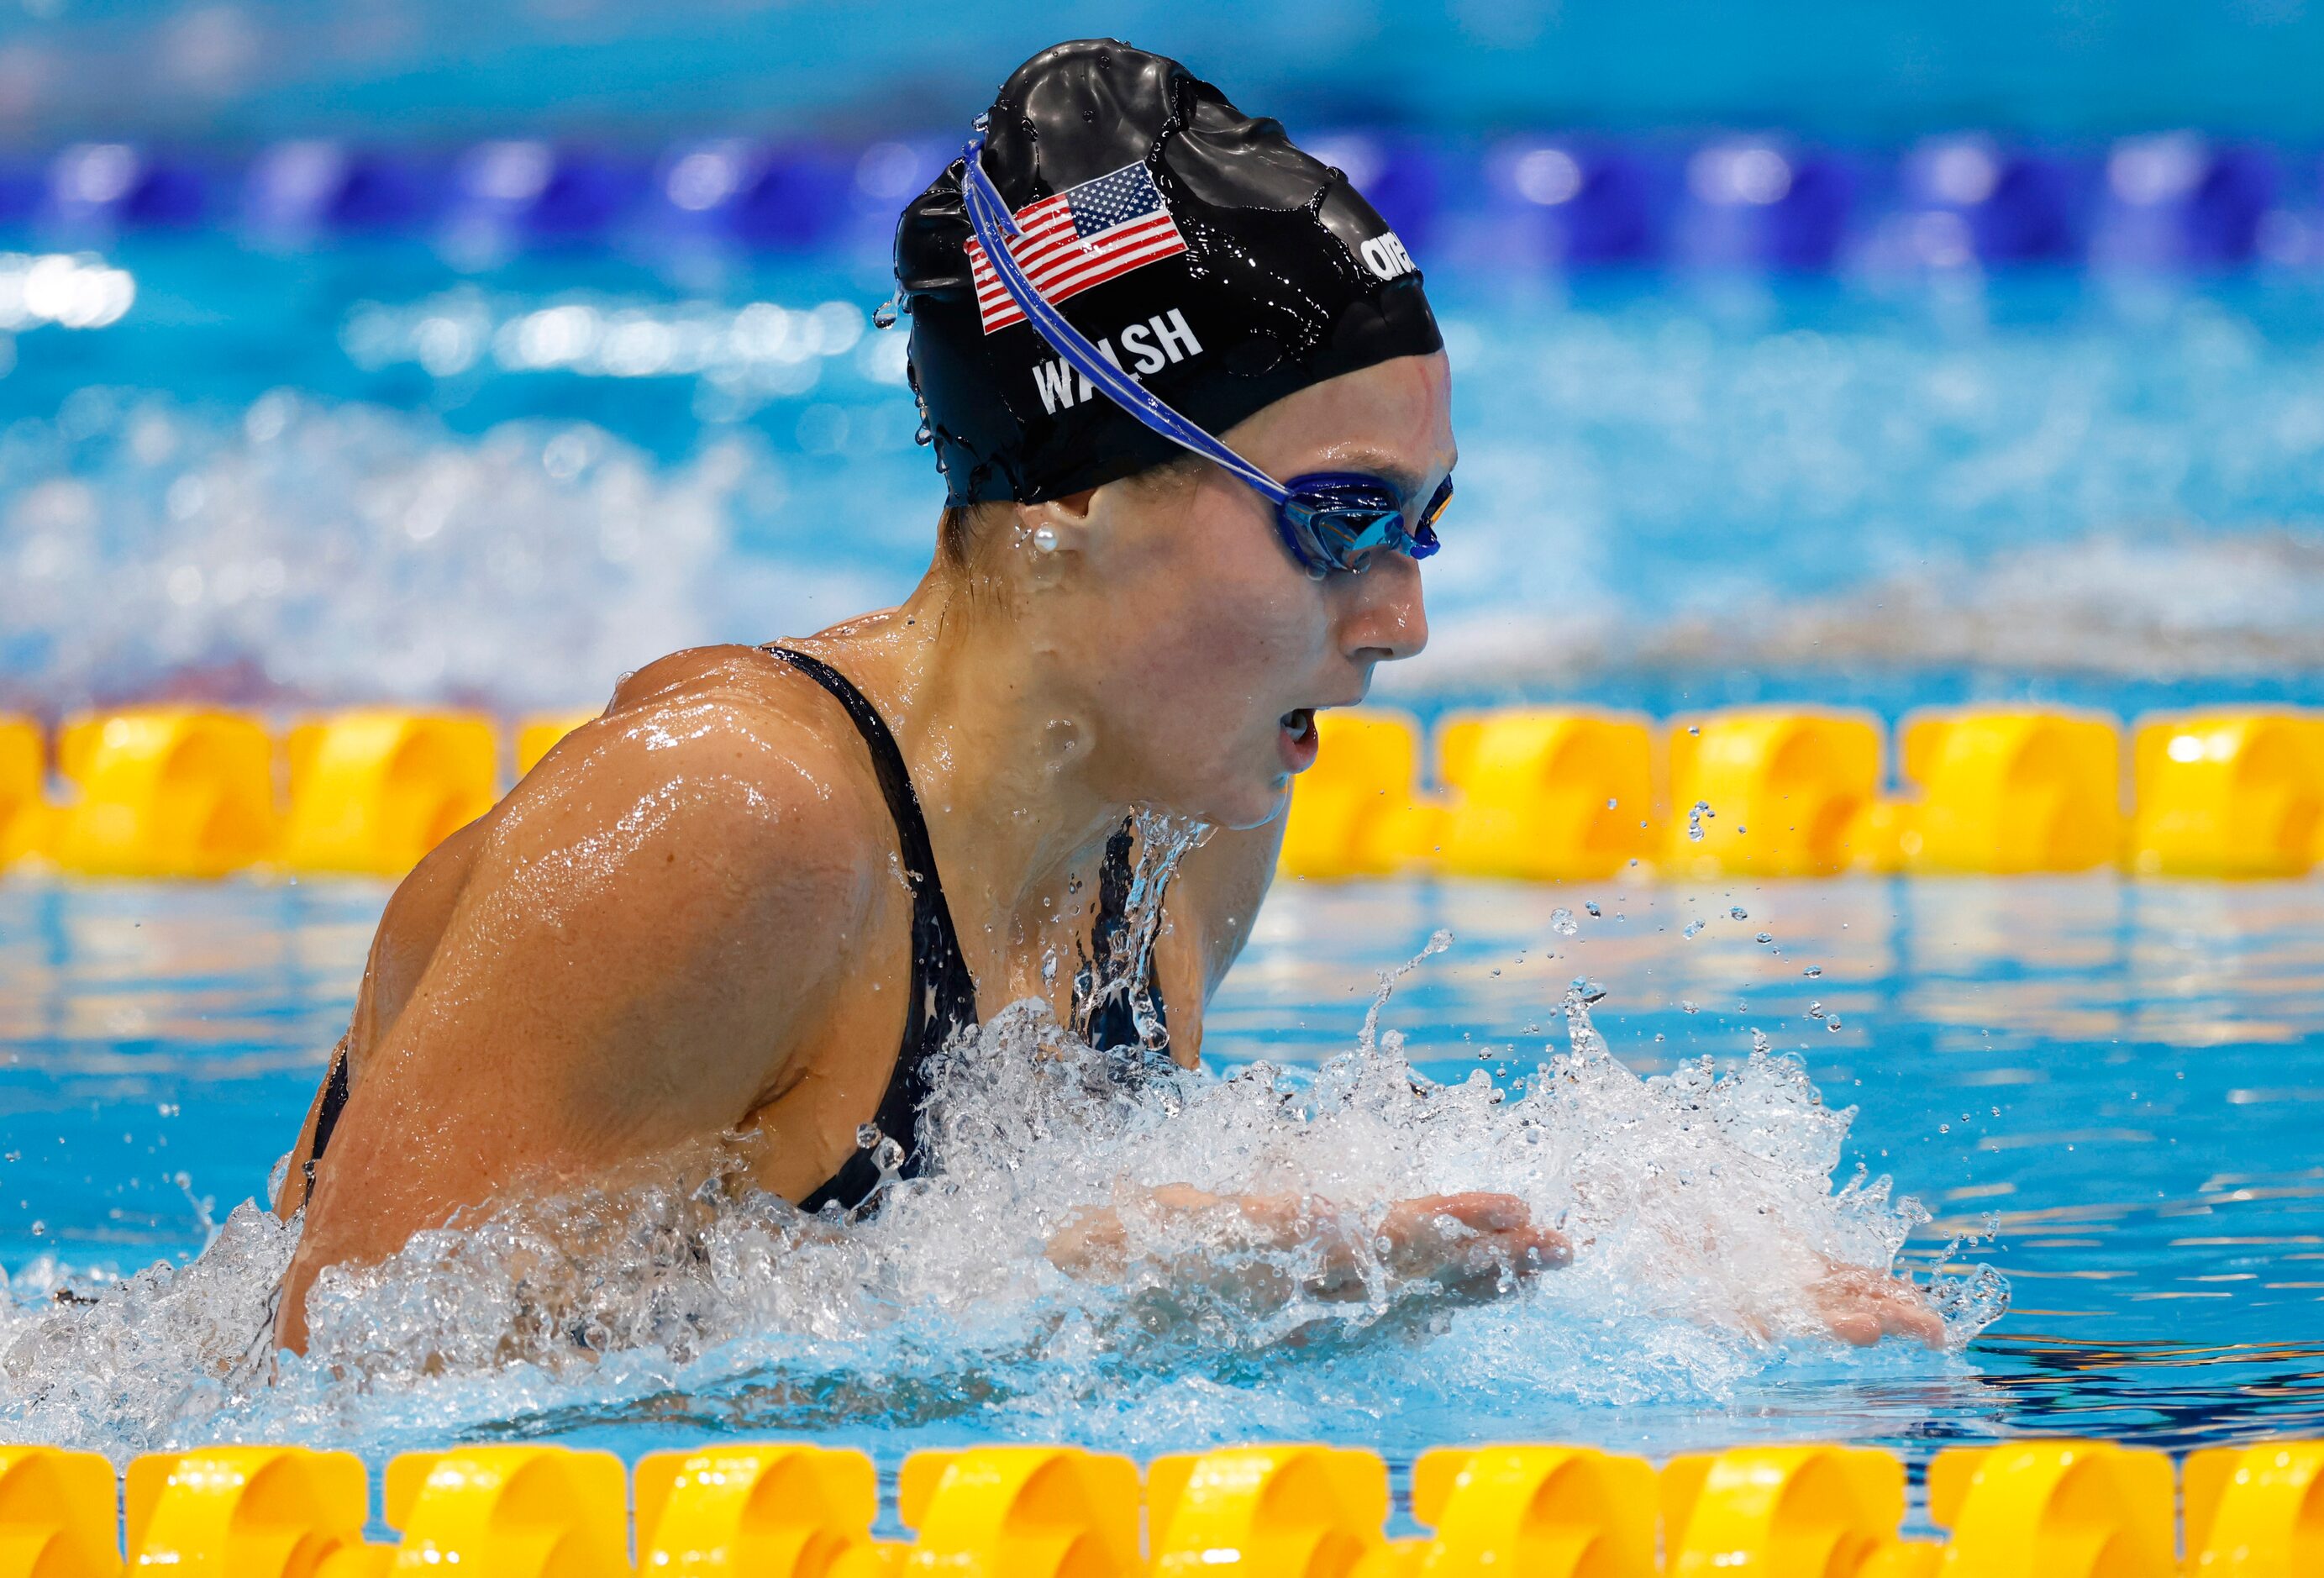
[1700, 1205]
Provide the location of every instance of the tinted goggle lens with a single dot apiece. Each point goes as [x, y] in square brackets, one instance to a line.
[1341, 522]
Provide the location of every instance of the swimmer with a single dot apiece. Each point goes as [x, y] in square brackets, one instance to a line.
[1194, 418]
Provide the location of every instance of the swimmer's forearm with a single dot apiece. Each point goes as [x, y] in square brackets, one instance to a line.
[1470, 1245]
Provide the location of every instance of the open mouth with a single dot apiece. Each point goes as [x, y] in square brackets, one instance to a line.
[1299, 722]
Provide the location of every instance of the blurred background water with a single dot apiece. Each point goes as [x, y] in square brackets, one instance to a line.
[406, 350]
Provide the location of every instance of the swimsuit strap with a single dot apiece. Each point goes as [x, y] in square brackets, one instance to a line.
[942, 999]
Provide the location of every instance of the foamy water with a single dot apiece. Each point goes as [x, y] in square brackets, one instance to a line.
[1701, 1204]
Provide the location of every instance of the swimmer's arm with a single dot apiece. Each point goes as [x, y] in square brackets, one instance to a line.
[408, 928]
[1469, 1246]
[649, 930]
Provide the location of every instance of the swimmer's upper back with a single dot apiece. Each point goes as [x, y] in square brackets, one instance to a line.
[651, 937]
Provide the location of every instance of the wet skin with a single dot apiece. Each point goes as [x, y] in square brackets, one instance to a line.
[687, 929]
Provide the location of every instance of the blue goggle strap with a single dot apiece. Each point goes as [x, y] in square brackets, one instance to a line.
[993, 225]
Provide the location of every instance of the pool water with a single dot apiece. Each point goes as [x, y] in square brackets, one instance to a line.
[377, 472]
[2114, 1084]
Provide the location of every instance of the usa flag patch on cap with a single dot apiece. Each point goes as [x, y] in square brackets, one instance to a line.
[1082, 236]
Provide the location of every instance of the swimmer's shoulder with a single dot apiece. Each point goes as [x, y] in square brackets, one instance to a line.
[735, 747]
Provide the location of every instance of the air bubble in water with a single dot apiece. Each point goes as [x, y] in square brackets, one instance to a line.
[1690, 928]
[1562, 922]
[1812, 971]
[1738, 913]
[1833, 1023]
[867, 1135]
[1694, 819]
[1767, 937]
[1815, 1011]
[1591, 906]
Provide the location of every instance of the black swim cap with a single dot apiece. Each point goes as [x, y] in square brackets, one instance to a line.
[1197, 247]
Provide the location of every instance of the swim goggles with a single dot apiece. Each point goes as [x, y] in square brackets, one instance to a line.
[1328, 520]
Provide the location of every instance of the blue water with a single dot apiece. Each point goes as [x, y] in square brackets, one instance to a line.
[2120, 1081]
[366, 472]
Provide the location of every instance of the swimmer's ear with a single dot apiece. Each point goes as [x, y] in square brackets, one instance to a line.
[1059, 525]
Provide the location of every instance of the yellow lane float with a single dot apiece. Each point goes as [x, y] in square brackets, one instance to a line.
[165, 791]
[1547, 794]
[23, 805]
[511, 1511]
[535, 737]
[1267, 1512]
[1549, 1511]
[57, 1514]
[1019, 1512]
[2226, 794]
[2054, 1510]
[1773, 1511]
[1769, 793]
[1555, 795]
[2033, 1508]
[2255, 1511]
[243, 1511]
[2012, 790]
[786, 1510]
[1358, 811]
[373, 792]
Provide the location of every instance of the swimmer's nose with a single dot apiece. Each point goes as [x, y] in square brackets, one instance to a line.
[1382, 614]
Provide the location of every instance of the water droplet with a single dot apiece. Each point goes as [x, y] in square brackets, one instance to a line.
[884, 315]
[1759, 1042]
[1812, 971]
[1692, 927]
[1562, 922]
[1767, 937]
[1611, 803]
[1833, 1024]
[1815, 1011]
[925, 437]
[1695, 728]
[867, 1135]
[1591, 906]
[1695, 816]
[888, 1155]
[983, 122]
[1686, 1005]
[1738, 913]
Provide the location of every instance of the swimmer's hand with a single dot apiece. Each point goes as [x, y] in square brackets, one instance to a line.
[1861, 1305]
[1470, 1246]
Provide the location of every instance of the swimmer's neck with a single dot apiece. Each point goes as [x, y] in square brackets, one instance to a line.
[1019, 793]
